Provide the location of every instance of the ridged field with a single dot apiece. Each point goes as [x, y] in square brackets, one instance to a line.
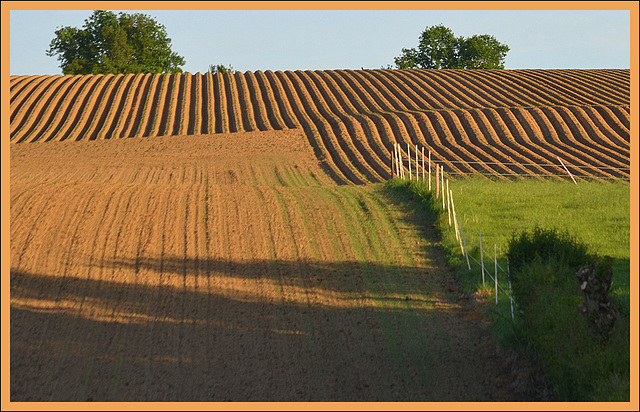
[497, 122]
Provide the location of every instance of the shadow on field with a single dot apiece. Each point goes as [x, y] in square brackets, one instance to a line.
[175, 329]
[232, 331]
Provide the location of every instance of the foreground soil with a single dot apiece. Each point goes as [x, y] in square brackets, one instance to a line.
[230, 267]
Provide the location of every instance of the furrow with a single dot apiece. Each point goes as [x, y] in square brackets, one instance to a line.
[267, 101]
[80, 103]
[256, 97]
[97, 108]
[143, 103]
[233, 104]
[23, 110]
[283, 101]
[48, 114]
[125, 118]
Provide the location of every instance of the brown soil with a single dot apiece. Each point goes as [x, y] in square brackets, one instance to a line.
[230, 267]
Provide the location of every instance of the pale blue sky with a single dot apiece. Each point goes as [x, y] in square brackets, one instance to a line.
[252, 40]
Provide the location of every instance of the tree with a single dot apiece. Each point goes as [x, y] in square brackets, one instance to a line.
[440, 49]
[126, 43]
[220, 68]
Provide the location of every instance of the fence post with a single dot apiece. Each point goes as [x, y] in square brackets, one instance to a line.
[417, 164]
[409, 158]
[430, 171]
[495, 258]
[482, 258]
[423, 164]
[565, 168]
[449, 202]
[464, 242]
[442, 183]
[437, 181]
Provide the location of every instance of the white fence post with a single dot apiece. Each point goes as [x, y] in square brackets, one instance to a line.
[482, 258]
[409, 158]
[429, 170]
[423, 171]
[442, 184]
[495, 257]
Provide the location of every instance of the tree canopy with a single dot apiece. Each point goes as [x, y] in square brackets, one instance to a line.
[438, 48]
[126, 43]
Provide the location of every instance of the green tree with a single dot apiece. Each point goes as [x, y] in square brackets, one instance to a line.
[110, 43]
[220, 68]
[438, 48]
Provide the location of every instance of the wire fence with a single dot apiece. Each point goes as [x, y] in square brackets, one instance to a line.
[422, 167]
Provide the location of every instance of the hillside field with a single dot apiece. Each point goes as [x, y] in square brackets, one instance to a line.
[190, 237]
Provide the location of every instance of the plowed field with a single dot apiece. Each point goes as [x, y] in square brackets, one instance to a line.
[497, 122]
[211, 238]
[230, 268]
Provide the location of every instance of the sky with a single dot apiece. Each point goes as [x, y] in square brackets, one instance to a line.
[251, 40]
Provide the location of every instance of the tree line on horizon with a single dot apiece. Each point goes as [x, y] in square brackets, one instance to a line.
[137, 43]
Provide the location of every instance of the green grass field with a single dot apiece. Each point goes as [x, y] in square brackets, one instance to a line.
[596, 214]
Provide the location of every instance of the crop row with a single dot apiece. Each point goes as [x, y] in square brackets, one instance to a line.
[489, 121]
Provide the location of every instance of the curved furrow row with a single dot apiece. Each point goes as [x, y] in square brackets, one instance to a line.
[411, 94]
[338, 172]
[517, 87]
[235, 118]
[524, 128]
[220, 103]
[395, 100]
[564, 132]
[623, 114]
[587, 86]
[618, 79]
[282, 102]
[165, 128]
[407, 98]
[604, 82]
[207, 109]
[472, 81]
[100, 103]
[23, 94]
[474, 94]
[351, 86]
[267, 101]
[154, 107]
[335, 138]
[459, 98]
[125, 115]
[607, 113]
[597, 127]
[570, 155]
[565, 92]
[537, 143]
[510, 135]
[256, 96]
[369, 144]
[507, 89]
[26, 107]
[79, 105]
[353, 143]
[472, 140]
[246, 107]
[18, 86]
[183, 106]
[579, 133]
[104, 129]
[145, 106]
[44, 115]
[432, 97]
[196, 109]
